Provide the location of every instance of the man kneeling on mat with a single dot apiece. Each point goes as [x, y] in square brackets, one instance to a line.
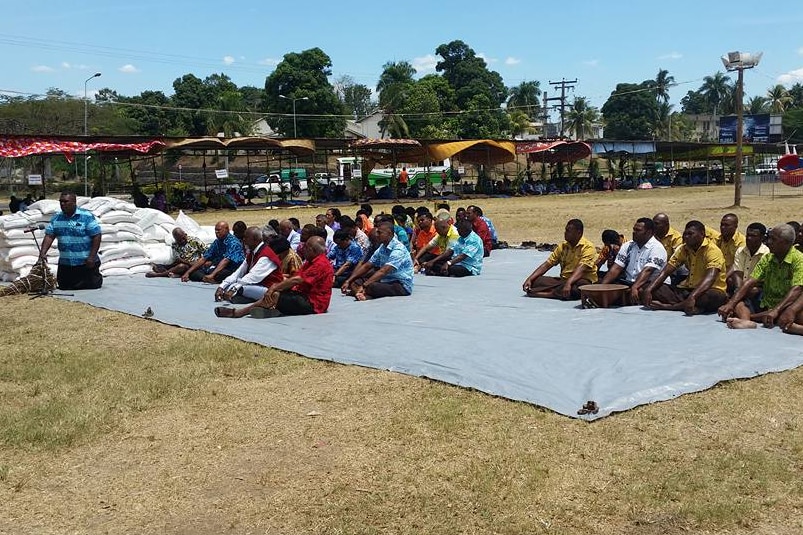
[308, 292]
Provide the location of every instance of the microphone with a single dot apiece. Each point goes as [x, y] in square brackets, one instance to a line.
[40, 226]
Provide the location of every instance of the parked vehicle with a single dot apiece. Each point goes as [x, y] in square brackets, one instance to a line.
[766, 169]
[275, 183]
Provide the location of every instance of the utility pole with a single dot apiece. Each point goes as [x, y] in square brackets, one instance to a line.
[564, 85]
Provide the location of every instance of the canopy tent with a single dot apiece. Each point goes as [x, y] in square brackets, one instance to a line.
[18, 147]
[475, 151]
[386, 152]
[554, 151]
[604, 147]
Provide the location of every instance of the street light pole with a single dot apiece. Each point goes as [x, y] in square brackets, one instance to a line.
[295, 128]
[739, 61]
[86, 132]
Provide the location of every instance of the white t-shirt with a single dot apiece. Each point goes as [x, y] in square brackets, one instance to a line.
[634, 259]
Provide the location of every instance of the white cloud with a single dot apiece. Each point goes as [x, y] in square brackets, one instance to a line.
[128, 69]
[486, 58]
[592, 62]
[512, 61]
[800, 50]
[42, 68]
[671, 55]
[425, 64]
[228, 60]
[65, 65]
[271, 62]
[791, 77]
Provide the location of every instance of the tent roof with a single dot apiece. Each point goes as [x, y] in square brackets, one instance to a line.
[554, 151]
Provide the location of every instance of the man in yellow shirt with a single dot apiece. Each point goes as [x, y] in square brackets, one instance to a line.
[577, 259]
[747, 257]
[664, 233]
[704, 289]
[445, 237]
[729, 239]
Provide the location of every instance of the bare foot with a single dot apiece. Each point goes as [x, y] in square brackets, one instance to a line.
[739, 323]
[657, 305]
[360, 296]
[794, 328]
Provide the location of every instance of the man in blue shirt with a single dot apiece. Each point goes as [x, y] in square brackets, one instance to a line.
[388, 273]
[344, 257]
[464, 257]
[78, 234]
[222, 258]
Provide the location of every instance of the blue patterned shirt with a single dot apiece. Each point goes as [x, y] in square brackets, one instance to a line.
[471, 246]
[74, 235]
[352, 253]
[396, 255]
[229, 247]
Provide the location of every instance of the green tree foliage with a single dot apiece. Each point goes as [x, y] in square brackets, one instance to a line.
[481, 119]
[793, 125]
[299, 75]
[694, 103]
[716, 90]
[444, 91]
[253, 98]
[525, 97]
[663, 81]
[630, 112]
[580, 117]
[757, 105]
[356, 98]
[420, 109]
[779, 98]
[150, 114]
[796, 92]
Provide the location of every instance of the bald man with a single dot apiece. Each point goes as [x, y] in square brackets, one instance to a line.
[308, 292]
[222, 258]
[288, 230]
[259, 271]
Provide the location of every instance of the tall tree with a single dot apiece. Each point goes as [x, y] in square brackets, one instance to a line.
[796, 92]
[694, 103]
[630, 112]
[715, 90]
[779, 98]
[525, 97]
[191, 93]
[757, 105]
[580, 117]
[394, 87]
[663, 81]
[305, 75]
[356, 98]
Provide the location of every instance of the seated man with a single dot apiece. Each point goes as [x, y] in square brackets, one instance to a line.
[344, 257]
[611, 242]
[746, 259]
[423, 233]
[639, 261]
[780, 274]
[446, 236]
[480, 227]
[729, 239]
[672, 240]
[220, 260]
[704, 289]
[307, 292]
[464, 257]
[491, 227]
[186, 251]
[291, 262]
[389, 272]
[258, 272]
[288, 230]
[575, 256]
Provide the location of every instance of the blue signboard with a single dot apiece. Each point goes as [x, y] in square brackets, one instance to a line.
[756, 128]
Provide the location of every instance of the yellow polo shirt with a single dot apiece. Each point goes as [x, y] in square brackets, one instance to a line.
[730, 247]
[584, 253]
[671, 242]
[706, 257]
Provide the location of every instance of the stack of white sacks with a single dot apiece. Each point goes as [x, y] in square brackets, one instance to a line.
[133, 238]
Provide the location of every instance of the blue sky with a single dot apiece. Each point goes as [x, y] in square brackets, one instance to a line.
[146, 44]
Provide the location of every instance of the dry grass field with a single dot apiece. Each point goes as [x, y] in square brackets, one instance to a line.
[117, 424]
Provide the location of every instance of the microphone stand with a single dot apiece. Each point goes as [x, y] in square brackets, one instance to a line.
[46, 289]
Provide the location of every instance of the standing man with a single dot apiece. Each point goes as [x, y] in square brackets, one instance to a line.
[639, 261]
[78, 234]
[576, 256]
[704, 289]
[222, 258]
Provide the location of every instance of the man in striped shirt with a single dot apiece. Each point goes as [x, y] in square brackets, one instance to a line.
[78, 235]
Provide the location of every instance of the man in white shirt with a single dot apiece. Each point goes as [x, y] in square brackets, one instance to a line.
[288, 230]
[258, 272]
[639, 261]
[746, 259]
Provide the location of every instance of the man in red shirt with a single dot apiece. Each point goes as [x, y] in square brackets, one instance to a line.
[481, 228]
[308, 292]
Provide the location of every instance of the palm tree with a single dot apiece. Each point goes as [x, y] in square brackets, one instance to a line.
[581, 117]
[662, 84]
[716, 89]
[393, 85]
[779, 98]
[757, 105]
[525, 97]
[663, 122]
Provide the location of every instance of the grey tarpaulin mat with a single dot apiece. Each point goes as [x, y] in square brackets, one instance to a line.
[482, 333]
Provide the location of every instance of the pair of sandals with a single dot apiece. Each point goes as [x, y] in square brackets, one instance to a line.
[590, 407]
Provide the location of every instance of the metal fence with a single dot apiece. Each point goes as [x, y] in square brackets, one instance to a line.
[768, 185]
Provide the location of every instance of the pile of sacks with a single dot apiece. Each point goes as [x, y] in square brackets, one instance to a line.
[133, 238]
